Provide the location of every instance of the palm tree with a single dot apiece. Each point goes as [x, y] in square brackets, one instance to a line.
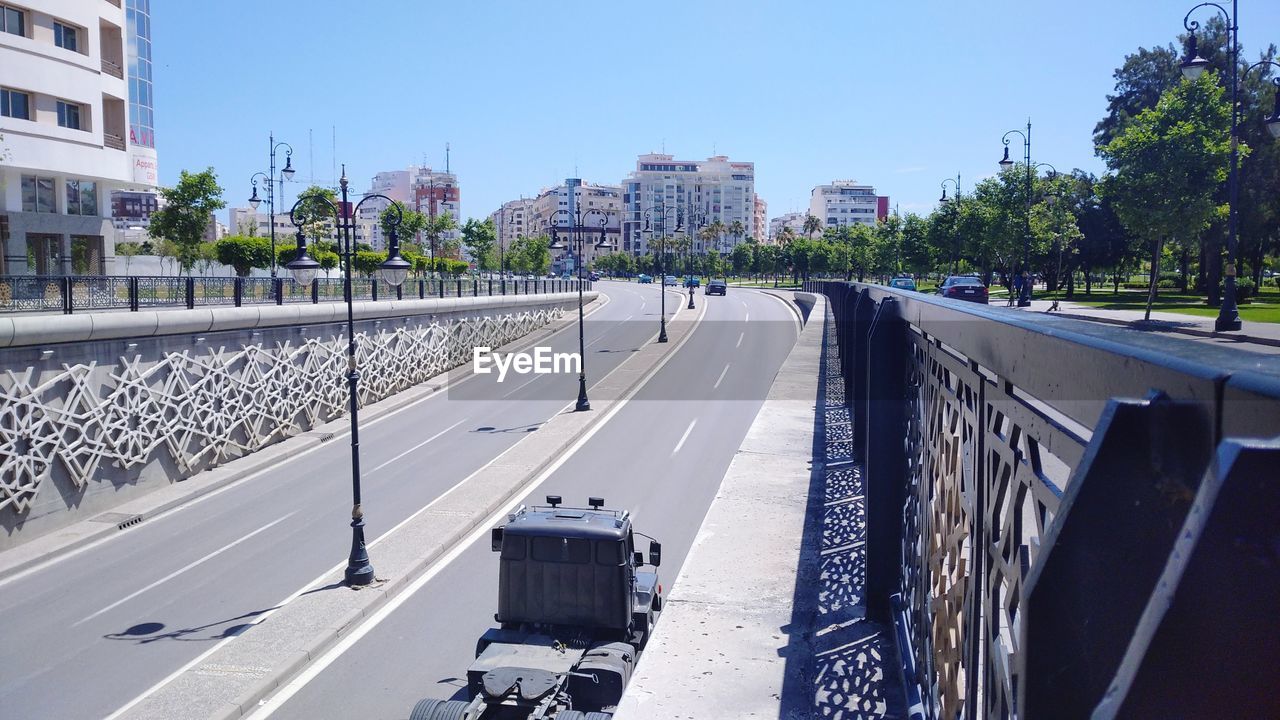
[811, 225]
[736, 229]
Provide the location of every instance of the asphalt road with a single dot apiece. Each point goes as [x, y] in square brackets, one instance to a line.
[91, 631]
[662, 457]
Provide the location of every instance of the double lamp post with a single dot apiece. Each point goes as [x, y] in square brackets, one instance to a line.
[661, 211]
[1024, 296]
[577, 242]
[270, 177]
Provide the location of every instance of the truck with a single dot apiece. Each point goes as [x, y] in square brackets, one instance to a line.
[577, 604]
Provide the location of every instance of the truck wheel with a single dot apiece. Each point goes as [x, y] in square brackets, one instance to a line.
[598, 716]
[432, 709]
[570, 715]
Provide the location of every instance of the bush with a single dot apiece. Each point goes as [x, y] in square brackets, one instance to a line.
[1168, 283]
[1245, 289]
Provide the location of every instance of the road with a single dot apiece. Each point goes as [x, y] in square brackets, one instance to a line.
[89, 632]
[662, 457]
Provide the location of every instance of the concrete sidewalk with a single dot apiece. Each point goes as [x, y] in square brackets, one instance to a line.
[766, 619]
[1257, 333]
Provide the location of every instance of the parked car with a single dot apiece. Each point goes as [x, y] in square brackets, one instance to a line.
[717, 287]
[692, 281]
[964, 287]
[566, 276]
[642, 278]
[903, 283]
[594, 276]
[670, 280]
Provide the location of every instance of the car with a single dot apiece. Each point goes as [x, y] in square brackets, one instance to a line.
[670, 280]
[594, 276]
[566, 276]
[642, 278]
[717, 287]
[964, 287]
[692, 281]
[902, 283]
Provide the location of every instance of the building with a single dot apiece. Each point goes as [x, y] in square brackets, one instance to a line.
[760, 222]
[73, 132]
[511, 221]
[132, 208]
[250, 222]
[704, 191]
[793, 220]
[585, 197]
[433, 194]
[394, 184]
[845, 202]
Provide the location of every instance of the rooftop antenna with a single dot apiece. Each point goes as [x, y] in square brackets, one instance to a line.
[446, 158]
[311, 154]
[333, 158]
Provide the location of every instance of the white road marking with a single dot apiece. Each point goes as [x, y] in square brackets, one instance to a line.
[183, 569]
[419, 445]
[685, 436]
[740, 336]
[722, 374]
[631, 316]
[748, 316]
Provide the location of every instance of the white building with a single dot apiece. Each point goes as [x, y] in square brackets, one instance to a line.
[793, 220]
[556, 206]
[394, 184]
[845, 202]
[704, 191]
[511, 221]
[433, 194]
[73, 133]
[760, 220]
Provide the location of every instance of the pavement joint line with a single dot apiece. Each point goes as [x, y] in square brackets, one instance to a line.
[246, 467]
[387, 588]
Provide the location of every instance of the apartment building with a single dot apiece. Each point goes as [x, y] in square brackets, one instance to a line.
[77, 126]
[704, 191]
[435, 193]
[394, 184]
[511, 221]
[760, 220]
[845, 202]
[558, 205]
[793, 220]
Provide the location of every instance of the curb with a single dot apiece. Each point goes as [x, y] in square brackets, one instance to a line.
[261, 661]
[89, 530]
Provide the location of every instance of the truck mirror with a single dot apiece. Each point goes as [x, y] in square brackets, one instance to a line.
[637, 558]
[655, 553]
[495, 539]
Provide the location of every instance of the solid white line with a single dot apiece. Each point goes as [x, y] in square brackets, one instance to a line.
[748, 317]
[419, 445]
[685, 436]
[722, 374]
[183, 569]
[740, 336]
[630, 316]
[268, 706]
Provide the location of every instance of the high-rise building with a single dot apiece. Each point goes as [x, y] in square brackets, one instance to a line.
[760, 222]
[393, 184]
[704, 191]
[76, 118]
[586, 197]
[511, 221]
[845, 202]
[434, 194]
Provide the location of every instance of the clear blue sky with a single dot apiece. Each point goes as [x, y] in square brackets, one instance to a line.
[897, 94]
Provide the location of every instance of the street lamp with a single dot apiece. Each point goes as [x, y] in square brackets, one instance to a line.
[394, 271]
[697, 219]
[270, 176]
[1024, 298]
[955, 247]
[662, 211]
[577, 241]
[1192, 67]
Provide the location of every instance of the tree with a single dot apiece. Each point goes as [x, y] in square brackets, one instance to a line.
[411, 223]
[314, 216]
[1167, 165]
[530, 255]
[186, 212]
[742, 257]
[244, 253]
[434, 229]
[366, 262]
[128, 251]
[166, 250]
[480, 238]
[736, 228]
[208, 255]
[811, 225]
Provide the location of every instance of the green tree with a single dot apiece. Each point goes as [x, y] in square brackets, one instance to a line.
[166, 250]
[480, 238]
[433, 233]
[128, 251]
[736, 228]
[207, 255]
[1167, 165]
[742, 257]
[185, 214]
[314, 216]
[366, 262]
[811, 225]
[244, 253]
[411, 224]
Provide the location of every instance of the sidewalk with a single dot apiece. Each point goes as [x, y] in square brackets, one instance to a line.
[1161, 322]
[767, 618]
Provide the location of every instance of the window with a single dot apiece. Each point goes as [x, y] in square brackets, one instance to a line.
[564, 550]
[82, 197]
[13, 21]
[69, 115]
[15, 104]
[37, 194]
[64, 36]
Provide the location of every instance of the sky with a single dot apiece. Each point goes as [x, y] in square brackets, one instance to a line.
[899, 95]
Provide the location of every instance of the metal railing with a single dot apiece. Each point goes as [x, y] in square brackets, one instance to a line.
[1063, 519]
[72, 293]
[112, 69]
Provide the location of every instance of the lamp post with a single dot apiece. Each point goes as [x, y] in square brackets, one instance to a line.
[696, 220]
[393, 270]
[577, 242]
[285, 174]
[955, 248]
[1192, 66]
[1024, 298]
[662, 211]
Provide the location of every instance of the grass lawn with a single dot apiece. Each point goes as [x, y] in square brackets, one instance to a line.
[1264, 307]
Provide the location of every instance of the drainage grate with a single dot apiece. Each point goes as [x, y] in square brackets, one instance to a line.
[120, 520]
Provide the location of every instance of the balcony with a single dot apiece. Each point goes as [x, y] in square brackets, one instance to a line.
[115, 142]
[112, 69]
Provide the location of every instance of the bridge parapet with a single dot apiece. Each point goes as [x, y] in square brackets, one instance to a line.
[1064, 520]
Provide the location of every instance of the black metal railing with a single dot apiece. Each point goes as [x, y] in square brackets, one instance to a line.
[73, 293]
[1064, 519]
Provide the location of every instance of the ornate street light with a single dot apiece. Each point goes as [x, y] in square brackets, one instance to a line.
[576, 244]
[270, 177]
[1192, 67]
[393, 270]
[662, 211]
[1024, 297]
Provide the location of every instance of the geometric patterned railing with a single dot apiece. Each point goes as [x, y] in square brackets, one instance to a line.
[201, 408]
[1027, 478]
[72, 293]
